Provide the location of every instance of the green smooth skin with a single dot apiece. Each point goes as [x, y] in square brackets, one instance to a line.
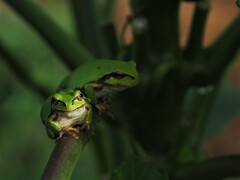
[90, 75]
[97, 79]
[57, 108]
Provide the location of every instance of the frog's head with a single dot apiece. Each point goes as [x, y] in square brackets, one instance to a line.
[67, 100]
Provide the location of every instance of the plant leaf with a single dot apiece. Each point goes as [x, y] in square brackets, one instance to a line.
[136, 169]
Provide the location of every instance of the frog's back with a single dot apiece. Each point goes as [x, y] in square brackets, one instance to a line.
[91, 72]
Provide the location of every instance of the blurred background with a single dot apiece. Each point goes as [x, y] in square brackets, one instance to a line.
[25, 147]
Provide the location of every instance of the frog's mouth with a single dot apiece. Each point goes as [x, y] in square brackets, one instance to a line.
[78, 112]
[70, 118]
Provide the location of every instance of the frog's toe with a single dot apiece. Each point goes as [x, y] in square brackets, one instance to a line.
[76, 130]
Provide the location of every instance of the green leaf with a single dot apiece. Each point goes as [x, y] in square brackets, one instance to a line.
[136, 169]
[238, 3]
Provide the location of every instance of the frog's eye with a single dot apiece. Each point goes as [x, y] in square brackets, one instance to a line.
[54, 101]
[118, 75]
[79, 97]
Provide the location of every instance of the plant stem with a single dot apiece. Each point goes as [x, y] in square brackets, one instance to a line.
[69, 50]
[15, 64]
[107, 10]
[64, 158]
[215, 168]
[162, 22]
[87, 27]
[102, 148]
[110, 38]
[223, 50]
[197, 108]
[140, 45]
[194, 45]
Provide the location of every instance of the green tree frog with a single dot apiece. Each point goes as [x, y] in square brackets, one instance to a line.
[69, 110]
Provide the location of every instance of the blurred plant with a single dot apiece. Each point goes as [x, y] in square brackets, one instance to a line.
[165, 116]
[238, 3]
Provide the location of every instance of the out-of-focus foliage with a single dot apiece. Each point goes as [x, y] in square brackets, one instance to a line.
[25, 147]
[227, 104]
[135, 168]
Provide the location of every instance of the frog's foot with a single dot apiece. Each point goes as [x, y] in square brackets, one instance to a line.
[85, 126]
[60, 135]
[100, 109]
[74, 132]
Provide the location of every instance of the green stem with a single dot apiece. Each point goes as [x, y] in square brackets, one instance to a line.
[215, 168]
[217, 56]
[106, 10]
[162, 21]
[64, 158]
[197, 74]
[194, 45]
[87, 27]
[111, 41]
[70, 51]
[223, 50]
[120, 144]
[102, 148]
[140, 45]
[15, 64]
[197, 108]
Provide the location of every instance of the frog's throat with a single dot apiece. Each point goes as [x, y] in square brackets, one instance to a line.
[70, 118]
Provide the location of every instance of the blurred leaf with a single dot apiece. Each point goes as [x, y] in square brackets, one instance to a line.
[225, 108]
[68, 49]
[86, 167]
[238, 3]
[136, 169]
[105, 9]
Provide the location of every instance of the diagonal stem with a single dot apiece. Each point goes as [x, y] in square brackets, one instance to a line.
[215, 168]
[15, 64]
[223, 50]
[64, 158]
[87, 27]
[194, 45]
[70, 51]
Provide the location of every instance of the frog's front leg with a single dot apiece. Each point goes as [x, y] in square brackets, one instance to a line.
[88, 119]
[52, 127]
[52, 124]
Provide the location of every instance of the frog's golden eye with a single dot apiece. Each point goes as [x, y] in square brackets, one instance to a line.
[118, 75]
[79, 97]
[56, 102]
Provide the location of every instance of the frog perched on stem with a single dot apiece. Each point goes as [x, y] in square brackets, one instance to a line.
[69, 110]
